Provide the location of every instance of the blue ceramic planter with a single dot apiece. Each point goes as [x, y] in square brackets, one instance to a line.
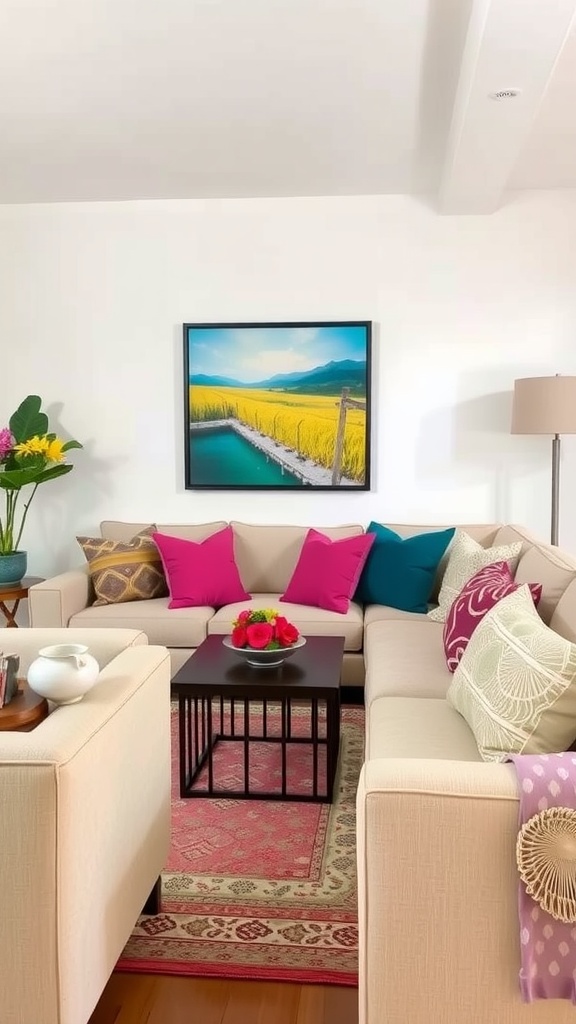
[13, 567]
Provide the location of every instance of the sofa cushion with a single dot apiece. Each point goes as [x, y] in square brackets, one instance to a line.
[172, 627]
[327, 571]
[563, 620]
[123, 571]
[114, 529]
[383, 613]
[465, 558]
[407, 727]
[554, 570]
[310, 621]
[404, 658]
[399, 571]
[201, 573]
[484, 533]
[509, 534]
[267, 555]
[488, 586]
[516, 682]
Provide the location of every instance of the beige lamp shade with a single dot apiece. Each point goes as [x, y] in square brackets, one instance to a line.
[544, 405]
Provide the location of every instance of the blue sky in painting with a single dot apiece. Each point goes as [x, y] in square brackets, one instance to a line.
[251, 354]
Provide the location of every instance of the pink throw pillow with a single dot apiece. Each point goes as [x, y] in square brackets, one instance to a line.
[201, 573]
[488, 586]
[328, 571]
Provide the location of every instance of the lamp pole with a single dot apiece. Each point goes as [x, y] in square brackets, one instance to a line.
[555, 489]
[546, 405]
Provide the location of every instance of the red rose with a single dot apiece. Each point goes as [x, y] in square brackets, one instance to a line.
[288, 635]
[280, 623]
[259, 634]
[239, 638]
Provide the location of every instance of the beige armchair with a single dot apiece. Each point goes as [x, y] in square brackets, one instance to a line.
[85, 812]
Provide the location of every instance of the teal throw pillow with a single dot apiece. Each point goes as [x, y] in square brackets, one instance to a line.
[399, 572]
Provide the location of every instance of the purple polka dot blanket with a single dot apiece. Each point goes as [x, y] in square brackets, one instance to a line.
[546, 858]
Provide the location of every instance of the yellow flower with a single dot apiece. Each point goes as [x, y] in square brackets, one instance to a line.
[51, 450]
[33, 446]
[54, 451]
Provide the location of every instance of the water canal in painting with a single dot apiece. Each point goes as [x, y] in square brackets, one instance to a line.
[221, 457]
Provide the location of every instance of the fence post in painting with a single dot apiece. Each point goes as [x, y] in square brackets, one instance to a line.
[298, 449]
[345, 403]
[339, 447]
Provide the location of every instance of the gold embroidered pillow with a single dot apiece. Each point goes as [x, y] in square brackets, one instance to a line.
[465, 558]
[124, 570]
[516, 682]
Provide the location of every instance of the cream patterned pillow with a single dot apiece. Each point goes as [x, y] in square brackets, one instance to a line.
[465, 557]
[516, 682]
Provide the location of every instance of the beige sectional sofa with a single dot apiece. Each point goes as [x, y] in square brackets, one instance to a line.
[85, 810]
[437, 827]
[266, 557]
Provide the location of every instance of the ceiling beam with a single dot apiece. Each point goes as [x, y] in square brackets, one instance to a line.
[510, 44]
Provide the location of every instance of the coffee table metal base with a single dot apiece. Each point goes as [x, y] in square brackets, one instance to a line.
[202, 726]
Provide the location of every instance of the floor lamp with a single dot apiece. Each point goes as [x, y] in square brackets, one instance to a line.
[546, 405]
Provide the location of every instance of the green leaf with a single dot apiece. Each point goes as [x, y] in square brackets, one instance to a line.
[14, 479]
[35, 463]
[28, 421]
[71, 444]
[52, 473]
[12, 462]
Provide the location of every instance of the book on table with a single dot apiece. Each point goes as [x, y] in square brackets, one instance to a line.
[9, 665]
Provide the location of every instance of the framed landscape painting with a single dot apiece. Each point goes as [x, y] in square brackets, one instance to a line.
[277, 405]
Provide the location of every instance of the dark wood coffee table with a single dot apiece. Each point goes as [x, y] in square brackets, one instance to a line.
[216, 693]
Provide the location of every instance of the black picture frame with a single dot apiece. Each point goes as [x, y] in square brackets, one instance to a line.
[303, 427]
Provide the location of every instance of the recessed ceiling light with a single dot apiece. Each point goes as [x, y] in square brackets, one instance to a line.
[504, 94]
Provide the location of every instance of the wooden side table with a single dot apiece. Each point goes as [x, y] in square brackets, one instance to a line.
[16, 592]
[25, 710]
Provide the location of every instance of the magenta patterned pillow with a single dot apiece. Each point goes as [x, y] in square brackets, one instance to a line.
[488, 586]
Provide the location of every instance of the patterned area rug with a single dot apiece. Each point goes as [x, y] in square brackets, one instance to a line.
[260, 889]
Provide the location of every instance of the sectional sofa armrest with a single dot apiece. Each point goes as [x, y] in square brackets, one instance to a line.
[437, 885]
[103, 644]
[55, 601]
[85, 806]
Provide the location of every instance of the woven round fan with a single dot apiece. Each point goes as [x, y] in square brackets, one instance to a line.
[546, 859]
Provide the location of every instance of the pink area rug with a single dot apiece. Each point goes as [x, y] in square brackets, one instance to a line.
[260, 889]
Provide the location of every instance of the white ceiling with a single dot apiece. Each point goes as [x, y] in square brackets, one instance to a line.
[129, 99]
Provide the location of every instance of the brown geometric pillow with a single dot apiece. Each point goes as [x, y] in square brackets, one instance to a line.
[124, 570]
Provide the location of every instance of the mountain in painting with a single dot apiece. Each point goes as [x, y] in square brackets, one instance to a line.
[328, 379]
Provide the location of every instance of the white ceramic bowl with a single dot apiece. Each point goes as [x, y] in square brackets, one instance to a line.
[264, 659]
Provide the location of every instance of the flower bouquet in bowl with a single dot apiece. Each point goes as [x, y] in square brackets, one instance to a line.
[263, 637]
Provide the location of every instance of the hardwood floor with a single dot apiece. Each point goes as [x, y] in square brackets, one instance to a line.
[155, 999]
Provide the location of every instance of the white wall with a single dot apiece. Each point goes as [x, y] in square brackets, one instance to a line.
[92, 298]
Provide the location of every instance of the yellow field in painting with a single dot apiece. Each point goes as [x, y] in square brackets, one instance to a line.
[305, 423]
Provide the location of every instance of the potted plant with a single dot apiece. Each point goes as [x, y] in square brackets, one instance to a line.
[30, 455]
